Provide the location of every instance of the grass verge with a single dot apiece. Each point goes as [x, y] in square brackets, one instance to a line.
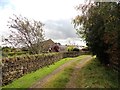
[62, 78]
[95, 75]
[29, 79]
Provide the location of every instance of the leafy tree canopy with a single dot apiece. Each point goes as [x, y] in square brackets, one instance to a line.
[99, 26]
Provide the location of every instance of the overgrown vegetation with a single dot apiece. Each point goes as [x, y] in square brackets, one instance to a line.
[10, 51]
[99, 25]
[72, 48]
[95, 75]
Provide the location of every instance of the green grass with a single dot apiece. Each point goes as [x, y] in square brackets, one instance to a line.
[62, 78]
[59, 80]
[95, 75]
[29, 79]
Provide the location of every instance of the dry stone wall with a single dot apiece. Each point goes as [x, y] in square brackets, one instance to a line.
[13, 68]
[71, 54]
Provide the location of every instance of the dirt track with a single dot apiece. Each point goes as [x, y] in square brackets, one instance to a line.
[70, 84]
[74, 76]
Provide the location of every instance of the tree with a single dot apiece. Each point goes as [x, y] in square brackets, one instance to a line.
[26, 33]
[99, 25]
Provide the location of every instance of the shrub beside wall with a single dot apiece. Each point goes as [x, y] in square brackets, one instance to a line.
[16, 67]
[71, 54]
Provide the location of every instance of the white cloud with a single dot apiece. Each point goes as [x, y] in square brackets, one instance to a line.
[4, 17]
[46, 9]
[70, 41]
[59, 29]
[42, 10]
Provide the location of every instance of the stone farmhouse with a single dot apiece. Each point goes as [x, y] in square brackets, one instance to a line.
[47, 44]
[50, 46]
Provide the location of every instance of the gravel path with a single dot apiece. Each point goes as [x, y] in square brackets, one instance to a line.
[44, 80]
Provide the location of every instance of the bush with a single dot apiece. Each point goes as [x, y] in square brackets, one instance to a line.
[20, 53]
[70, 48]
[4, 54]
[75, 49]
[16, 53]
[11, 53]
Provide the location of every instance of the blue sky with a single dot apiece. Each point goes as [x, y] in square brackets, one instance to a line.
[3, 3]
[57, 16]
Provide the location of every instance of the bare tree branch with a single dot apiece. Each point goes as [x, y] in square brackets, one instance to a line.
[27, 33]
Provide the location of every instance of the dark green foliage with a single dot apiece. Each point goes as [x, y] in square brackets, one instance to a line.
[9, 51]
[16, 53]
[76, 49]
[24, 49]
[85, 49]
[6, 49]
[4, 54]
[72, 48]
[99, 25]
